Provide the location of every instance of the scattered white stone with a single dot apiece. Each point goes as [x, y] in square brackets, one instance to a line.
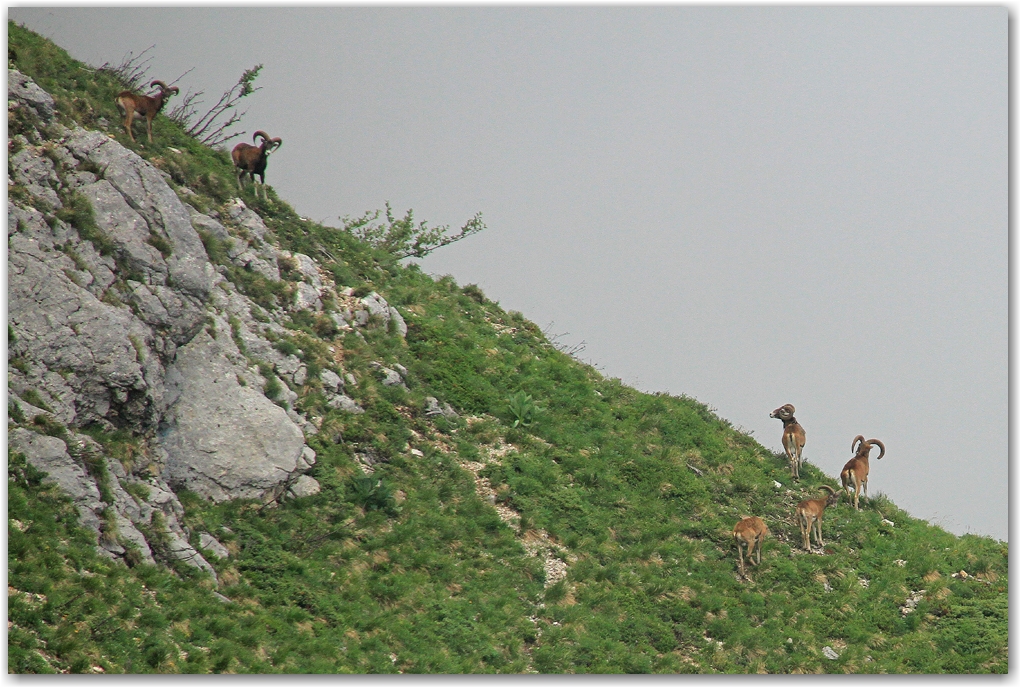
[331, 380]
[304, 486]
[900, 562]
[345, 403]
[391, 377]
[888, 522]
[777, 484]
[911, 603]
[830, 653]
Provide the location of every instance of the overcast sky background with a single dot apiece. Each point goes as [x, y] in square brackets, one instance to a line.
[749, 205]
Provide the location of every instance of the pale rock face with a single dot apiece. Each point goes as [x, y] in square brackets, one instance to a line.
[147, 350]
[224, 440]
[128, 229]
[391, 377]
[432, 408]
[289, 365]
[27, 409]
[144, 190]
[49, 454]
[22, 90]
[127, 533]
[64, 327]
[37, 173]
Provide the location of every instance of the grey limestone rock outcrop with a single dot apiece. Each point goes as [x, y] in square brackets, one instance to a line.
[306, 297]
[24, 92]
[102, 349]
[374, 305]
[119, 521]
[49, 454]
[224, 440]
[133, 328]
[144, 190]
[38, 173]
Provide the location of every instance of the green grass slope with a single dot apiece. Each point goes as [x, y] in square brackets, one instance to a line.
[420, 569]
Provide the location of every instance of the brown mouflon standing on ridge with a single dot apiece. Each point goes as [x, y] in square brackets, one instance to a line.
[793, 437]
[856, 470]
[749, 532]
[809, 516]
[251, 160]
[135, 106]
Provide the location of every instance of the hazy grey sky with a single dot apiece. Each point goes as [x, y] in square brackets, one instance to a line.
[749, 205]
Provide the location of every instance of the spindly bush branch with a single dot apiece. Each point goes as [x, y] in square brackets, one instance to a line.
[402, 238]
[208, 128]
[132, 69]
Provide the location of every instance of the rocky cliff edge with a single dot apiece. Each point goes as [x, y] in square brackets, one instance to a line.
[118, 320]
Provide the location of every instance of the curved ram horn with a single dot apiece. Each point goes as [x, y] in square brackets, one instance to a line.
[277, 141]
[853, 446]
[878, 443]
[162, 86]
[263, 134]
[826, 486]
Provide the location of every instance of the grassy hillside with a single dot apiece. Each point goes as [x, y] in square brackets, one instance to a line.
[450, 557]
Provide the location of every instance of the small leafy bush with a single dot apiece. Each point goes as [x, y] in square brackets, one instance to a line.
[523, 408]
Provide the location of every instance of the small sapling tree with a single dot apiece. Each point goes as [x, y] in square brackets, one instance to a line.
[402, 238]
